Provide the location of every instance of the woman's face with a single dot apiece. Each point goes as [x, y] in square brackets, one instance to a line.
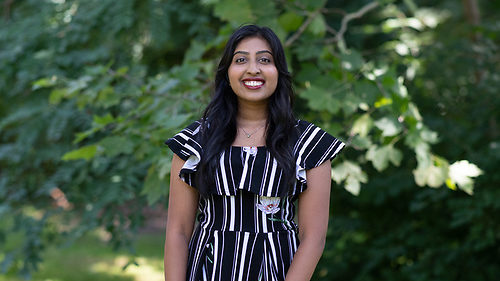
[252, 73]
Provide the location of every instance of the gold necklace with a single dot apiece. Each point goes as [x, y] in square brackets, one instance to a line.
[256, 130]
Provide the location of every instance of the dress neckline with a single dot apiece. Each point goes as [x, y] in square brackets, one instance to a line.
[247, 146]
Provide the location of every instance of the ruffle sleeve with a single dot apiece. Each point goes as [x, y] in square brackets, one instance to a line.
[187, 146]
[313, 148]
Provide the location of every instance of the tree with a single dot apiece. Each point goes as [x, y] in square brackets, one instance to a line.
[92, 88]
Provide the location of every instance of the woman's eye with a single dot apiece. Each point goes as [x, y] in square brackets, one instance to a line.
[240, 60]
[265, 60]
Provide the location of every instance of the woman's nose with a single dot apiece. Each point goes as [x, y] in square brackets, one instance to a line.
[253, 68]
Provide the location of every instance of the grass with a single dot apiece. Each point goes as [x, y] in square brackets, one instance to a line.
[91, 259]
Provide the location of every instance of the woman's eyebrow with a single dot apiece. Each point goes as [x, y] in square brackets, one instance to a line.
[264, 51]
[247, 53]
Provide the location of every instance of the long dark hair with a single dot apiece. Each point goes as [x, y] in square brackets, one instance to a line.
[218, 125]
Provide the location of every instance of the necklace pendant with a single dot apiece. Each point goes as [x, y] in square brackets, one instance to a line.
[248, 136]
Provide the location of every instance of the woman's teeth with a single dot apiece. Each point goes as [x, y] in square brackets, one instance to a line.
[253, 83]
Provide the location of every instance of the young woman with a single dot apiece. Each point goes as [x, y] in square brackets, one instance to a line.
[243, 166]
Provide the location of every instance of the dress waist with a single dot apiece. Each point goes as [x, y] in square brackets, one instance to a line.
[246, 212]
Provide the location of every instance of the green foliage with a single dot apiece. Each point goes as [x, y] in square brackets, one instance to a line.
[91, 89]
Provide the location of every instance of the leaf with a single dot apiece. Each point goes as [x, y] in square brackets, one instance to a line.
[362, 125]
[290, 21]
[320, 99]
[122, 71]
[361, 142]
[353, 186]
[462, 172]
[57, 95]
[381, 157]
[107, 97]
[79, 84]
[44, 83]
[265, 14]
[168, 121]
[378, 157]
[104, 120]
[312, 5]
[164, 164]
[318, 25]
[401, 88]
[433, 175]
[413, 111]
[84, 152]
[388, 126]
[382, 102]
[429, 136]
[451, 185]
[308, 73]
[424, 156]
[352, 174]
[195, 51]
[154, 188]
[366, 91]
[352, 60]
[436, 176]
[115, 145]
[236, 11]
[395, 155]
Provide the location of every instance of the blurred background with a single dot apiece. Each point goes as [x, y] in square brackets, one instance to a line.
[90, 89]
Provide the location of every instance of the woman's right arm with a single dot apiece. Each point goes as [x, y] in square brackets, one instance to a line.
[182, 206]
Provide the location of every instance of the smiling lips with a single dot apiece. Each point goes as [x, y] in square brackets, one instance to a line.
[253, 83]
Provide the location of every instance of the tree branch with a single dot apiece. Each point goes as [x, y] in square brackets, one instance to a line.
[333, 11]
[6, 9]
[471, 9]
[301, 29]
[348, 17]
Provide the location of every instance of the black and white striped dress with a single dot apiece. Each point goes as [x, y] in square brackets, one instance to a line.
[246, 231]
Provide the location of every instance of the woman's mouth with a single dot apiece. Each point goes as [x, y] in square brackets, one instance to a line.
[253, 84]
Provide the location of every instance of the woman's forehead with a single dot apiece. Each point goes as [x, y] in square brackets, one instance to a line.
[253, 45]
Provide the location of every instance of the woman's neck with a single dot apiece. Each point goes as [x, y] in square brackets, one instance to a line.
[251, 114]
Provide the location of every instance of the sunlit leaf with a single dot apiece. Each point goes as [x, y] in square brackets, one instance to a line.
[388, 126]
[352, 185]
[362, 125]
[381, 156]
[44, 83]
[462, 172]
[433, 174]
[383, 101]
[84, 152]
[352, 174]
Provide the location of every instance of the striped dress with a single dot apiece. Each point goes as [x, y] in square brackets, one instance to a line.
[246, 228]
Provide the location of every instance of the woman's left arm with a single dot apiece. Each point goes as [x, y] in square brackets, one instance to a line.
[313, 212]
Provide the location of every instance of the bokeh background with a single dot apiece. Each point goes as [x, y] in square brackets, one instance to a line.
[90, 89]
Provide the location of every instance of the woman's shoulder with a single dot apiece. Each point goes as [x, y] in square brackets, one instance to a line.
[314, 145]
[187, 142]
[306, 127]
[193, 128]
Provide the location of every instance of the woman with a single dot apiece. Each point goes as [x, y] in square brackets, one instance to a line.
[244, 165]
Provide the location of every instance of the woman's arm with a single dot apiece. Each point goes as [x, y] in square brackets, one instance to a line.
[182, 205]
[314, 205]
